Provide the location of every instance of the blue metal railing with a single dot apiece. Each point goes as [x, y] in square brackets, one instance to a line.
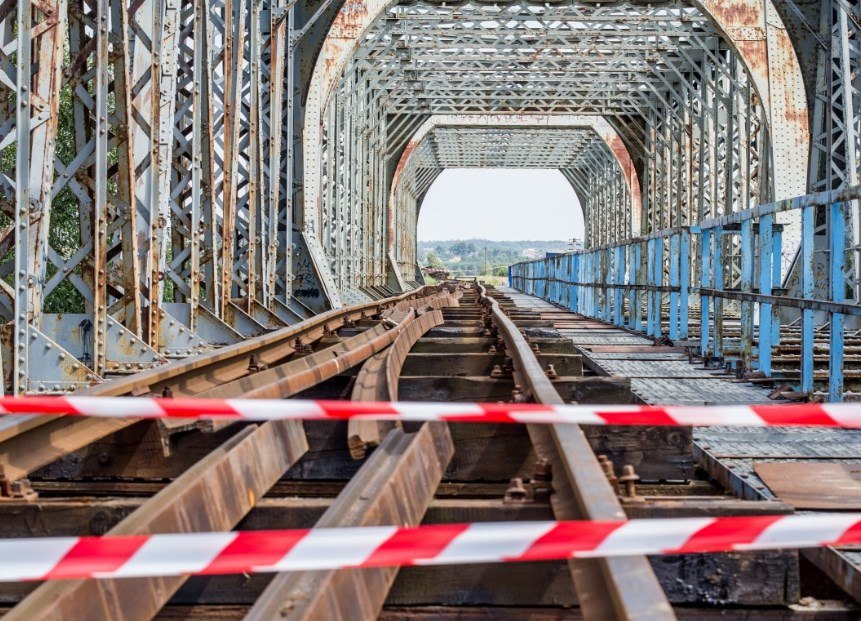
[733, 266]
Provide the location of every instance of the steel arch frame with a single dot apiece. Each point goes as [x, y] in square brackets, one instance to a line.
[753, 33]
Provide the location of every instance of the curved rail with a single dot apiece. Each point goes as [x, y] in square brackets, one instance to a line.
[607, 589]
[30, 442]
[247, 465]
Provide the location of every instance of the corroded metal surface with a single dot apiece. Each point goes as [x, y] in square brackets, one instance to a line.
[813, 486]
[623, 588]
[212, 496]
[29, 442]
[395, 486]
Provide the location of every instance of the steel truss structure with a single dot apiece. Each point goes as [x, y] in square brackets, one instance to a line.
[182, 174]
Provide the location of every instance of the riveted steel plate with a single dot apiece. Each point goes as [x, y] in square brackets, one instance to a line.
[780, 442]
[813, 485]
[600, 357]
[680, 391]
[656, 369]
[614, 338]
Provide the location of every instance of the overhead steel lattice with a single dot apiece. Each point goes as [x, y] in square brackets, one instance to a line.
[181, 174]
[579, 153]
[686, 104]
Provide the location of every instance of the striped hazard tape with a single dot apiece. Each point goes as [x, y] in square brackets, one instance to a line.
[381, 546]
[816, 414]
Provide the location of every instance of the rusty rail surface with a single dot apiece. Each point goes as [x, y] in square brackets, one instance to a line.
[397, 484]
[30, 442]
[607, 589]
[213, 495]
[378, 381]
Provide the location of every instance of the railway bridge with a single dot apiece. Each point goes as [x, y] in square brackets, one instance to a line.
[219, 199]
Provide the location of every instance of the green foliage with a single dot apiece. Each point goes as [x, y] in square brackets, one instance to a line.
[432, 260]
[466, 257]
[64, 231]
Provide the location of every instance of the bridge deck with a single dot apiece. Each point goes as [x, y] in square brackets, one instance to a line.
[659, 374]
[735, 457]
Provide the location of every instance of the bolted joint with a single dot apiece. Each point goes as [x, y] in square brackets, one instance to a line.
[516, 492]
[629, 480]
[254, 364]
[16, 490]
[610, 473]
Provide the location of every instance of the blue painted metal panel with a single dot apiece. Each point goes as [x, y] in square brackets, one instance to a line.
[837, 277]
[605, 282]
[766, 255]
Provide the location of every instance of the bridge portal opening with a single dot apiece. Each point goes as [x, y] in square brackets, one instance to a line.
[477, 221]
[500, 204]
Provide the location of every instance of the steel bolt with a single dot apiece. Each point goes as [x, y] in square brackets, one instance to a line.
[516, 491]
[629, 479]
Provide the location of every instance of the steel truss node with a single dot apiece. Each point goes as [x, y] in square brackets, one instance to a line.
[219, 168]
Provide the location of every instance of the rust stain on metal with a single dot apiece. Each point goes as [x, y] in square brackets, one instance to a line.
[814, 485]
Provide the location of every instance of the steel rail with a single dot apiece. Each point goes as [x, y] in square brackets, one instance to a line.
[378, 381]
[213, 495]
[31, 442]
[378, 378]
[238, 473]
[395, 486]
[607, 589]
[294, 376]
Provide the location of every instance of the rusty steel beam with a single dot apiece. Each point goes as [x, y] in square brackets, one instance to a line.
[211, 496]
[30, 442]
[395, 486]
[295, 376]
[378, 381]
[619, 588]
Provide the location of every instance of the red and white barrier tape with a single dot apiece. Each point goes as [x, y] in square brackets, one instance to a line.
[816, 414]
[380, 546]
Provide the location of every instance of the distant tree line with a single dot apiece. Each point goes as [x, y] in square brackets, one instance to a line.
[468, 257]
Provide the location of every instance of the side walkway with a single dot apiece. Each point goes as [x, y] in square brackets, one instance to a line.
[659, 374]
[810, 469]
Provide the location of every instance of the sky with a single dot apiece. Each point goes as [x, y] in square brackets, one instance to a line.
[500, 205]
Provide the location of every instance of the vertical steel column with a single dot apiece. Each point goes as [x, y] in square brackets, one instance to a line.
[766, 260]
[607, 282]
[642, 278]
[705, 283]
[837, 276]
[23, 197]
[619, 293]
[234, 37]
[675, 281]
[100, 204]
[747, 254]
[718, 284]
[684, 279]
[776, 278]
[203, 218]
[656, 278]
[633, 293]
[807, 289]
[649, 281]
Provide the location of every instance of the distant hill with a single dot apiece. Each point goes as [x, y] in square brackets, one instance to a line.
[466, 257]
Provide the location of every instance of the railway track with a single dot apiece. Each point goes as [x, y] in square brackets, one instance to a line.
[451, 343]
